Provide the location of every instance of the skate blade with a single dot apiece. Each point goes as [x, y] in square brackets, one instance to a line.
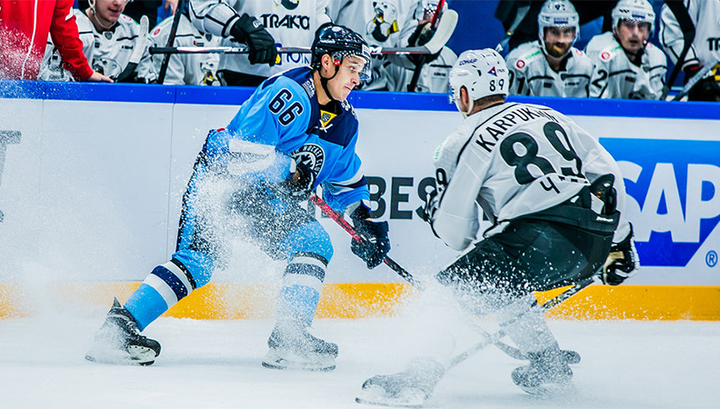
[135, 355]
[277, 359]
[548, 390]
[378, 396]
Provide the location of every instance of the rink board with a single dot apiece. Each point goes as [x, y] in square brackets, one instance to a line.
[92, 175]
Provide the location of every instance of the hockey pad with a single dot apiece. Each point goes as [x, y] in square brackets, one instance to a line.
[409, 388]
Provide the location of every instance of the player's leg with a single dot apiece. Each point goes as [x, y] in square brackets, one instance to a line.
[285, 230]
[308, 250]
[499, 275]
[119, 339]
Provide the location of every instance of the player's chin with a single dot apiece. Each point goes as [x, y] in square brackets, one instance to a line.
[345, 93]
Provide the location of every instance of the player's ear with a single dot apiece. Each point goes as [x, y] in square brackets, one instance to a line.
[326, 61]
[464, 96]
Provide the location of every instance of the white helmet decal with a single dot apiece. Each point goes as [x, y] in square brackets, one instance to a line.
[639, 11]
[557, 13]
[481, 72]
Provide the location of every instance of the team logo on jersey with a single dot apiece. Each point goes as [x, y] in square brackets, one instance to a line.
[288, 4]
[384, 23]
[325, 118]
[520, 64]
[605, 56]
[310, 155]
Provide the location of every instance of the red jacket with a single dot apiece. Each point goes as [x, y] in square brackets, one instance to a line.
[24, 28]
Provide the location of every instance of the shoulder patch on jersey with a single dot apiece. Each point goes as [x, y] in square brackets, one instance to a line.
[127, 18]
[156, 32]
[520, 64]
[605, 55]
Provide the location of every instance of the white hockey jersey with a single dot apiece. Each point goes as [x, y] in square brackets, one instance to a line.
[616, 77]
[705, 48]
[292, 23]
[386, 23]
[189, 69]
[434, 76]
[513, 160]
[108, 52]
[530, 73]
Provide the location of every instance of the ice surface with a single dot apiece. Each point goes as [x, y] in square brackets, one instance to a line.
[216, 364]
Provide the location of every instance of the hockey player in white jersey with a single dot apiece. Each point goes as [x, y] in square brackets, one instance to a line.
[109, 39]
[627, 66]
[384, 23]
[188, 69]
[551, 66]
[705, 47]
[436, 68]
[263, 25]
[555, 197]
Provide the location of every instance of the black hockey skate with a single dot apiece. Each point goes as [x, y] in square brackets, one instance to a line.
[293, 347]
[409, 388]
[547, 374]
[119, 342]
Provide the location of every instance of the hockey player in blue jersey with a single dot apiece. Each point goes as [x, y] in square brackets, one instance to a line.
[297, 132]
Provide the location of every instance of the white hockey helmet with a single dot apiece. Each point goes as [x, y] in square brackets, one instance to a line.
[558, 13]
[481, 72]
[639, 11]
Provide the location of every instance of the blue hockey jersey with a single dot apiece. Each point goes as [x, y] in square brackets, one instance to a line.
[283, 122]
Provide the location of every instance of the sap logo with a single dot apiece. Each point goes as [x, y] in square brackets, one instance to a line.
[673, 195]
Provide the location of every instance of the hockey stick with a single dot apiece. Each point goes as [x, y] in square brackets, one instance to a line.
[137, 53]
[688, 28]
[412, 387]
[339, 219]
[496, 337]
[694, 80]
[171, 40]
[519, 17]
[418, 69]
[436, 43]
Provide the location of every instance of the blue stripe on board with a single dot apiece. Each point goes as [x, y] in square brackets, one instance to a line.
[185, 94]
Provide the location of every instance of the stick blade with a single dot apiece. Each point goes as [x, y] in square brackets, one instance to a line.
[444, 31]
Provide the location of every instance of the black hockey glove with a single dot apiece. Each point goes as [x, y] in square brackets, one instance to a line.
[430, 206]
[622, 261]
[375, 243]
[250, 31]
[707, 89]
[423, 33]
[301, 184]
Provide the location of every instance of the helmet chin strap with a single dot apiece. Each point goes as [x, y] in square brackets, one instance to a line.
[324, 83]
[91, 3]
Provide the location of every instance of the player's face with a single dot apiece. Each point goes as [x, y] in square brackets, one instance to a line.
[558, 40]
[347, 78]
[110, 10]
[632, 35]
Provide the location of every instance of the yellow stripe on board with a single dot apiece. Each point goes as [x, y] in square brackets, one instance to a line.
[362, 300]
